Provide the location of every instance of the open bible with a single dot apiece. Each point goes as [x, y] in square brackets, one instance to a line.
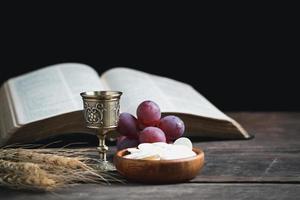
[46, 102]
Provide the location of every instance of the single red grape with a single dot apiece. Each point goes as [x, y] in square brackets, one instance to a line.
[148, 113]
[152, 134]
[124, 142]
[172, 126]
[128, 125]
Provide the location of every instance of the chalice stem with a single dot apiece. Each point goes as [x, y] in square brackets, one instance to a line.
[102, 146]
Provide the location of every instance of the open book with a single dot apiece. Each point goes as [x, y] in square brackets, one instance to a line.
[46, 102]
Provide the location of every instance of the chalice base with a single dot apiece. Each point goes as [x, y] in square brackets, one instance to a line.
[105, 166]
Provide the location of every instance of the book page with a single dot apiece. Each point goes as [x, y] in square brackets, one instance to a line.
[186, 99]
[170, 95]
[136, 87]
[51, 91]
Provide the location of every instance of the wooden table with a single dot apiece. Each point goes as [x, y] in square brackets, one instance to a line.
[266, 167]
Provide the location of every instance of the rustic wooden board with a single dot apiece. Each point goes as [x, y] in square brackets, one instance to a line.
[266, 167]
[243, 166]
[271, 156]
[177, 191]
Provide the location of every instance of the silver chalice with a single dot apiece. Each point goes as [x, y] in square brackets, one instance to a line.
[101, 113]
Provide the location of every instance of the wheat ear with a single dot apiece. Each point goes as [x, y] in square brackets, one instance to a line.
[42, 158]
[25, 175]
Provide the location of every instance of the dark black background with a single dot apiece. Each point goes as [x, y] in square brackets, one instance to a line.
[240, 59]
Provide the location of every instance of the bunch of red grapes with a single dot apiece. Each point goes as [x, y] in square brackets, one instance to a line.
[148, 127]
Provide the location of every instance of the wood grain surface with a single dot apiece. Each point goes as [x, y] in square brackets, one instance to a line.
[265, 167]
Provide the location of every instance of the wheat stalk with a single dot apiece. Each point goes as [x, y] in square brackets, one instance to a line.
[30, 169]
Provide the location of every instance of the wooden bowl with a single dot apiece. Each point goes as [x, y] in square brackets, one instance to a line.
[159, 171]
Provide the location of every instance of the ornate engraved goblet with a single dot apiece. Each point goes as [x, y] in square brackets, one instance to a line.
[101, 113]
